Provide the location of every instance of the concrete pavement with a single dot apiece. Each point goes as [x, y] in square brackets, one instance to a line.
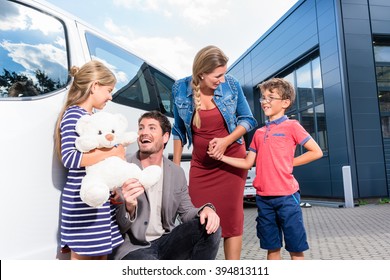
[334, 233]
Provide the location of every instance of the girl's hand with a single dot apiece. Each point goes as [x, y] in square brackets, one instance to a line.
[116, 197]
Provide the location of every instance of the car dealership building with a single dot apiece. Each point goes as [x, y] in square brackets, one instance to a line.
[337, 55]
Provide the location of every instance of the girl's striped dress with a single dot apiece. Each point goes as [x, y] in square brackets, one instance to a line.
[85, 230]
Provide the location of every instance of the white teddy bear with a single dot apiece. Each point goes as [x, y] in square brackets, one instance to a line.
[105, 130]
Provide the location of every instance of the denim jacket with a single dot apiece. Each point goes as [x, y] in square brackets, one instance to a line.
[229, 99]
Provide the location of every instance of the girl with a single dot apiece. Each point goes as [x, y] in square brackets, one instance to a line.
[89, 233]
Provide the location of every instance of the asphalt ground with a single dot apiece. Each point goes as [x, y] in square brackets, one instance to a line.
[334, 233]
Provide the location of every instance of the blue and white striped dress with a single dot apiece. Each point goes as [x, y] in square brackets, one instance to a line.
[87, 231]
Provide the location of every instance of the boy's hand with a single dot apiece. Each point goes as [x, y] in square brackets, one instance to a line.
[214, 156]
[217, 148]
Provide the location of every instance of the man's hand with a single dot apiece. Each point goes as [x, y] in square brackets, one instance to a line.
[131, 189]
[212, 218]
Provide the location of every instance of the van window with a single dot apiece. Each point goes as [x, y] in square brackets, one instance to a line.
[33, 59]
[138, 84]
[164, 88]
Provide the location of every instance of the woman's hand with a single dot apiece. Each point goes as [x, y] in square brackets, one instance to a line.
[217, 147]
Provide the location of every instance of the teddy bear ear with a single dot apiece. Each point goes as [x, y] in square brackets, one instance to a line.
[121, 120]
[82, 123]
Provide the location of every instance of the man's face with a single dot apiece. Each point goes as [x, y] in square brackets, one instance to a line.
[151, 139]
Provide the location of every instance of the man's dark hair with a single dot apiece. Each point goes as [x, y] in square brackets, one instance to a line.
[161, 118]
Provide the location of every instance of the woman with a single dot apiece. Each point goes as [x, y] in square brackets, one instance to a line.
[211, 111]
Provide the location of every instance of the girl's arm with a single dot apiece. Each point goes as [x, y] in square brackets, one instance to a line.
[313, 152]
[97, 155]
[243, 163]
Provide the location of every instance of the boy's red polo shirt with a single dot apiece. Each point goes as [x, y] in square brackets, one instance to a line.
[275, 145]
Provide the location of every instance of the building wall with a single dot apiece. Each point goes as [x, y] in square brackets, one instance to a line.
[363, 97]
[340, 31]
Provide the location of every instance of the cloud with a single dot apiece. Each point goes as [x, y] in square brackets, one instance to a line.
[23, 18]
[194, 12]
[40, 56]
[170, 32]
[160, 51]
[112, 28]
[200, 12]
[173, 51]
[138, 4]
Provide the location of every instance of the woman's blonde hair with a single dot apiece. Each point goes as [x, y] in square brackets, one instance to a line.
[206, 61]
[83, 79]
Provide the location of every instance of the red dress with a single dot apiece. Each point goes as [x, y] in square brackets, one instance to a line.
[214, 181]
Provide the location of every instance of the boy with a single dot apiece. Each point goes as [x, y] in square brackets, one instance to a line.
[273, 147]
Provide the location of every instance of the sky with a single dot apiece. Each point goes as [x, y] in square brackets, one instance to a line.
[169, 33]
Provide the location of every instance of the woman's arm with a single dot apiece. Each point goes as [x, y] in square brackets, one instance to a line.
[177, 151]
[244, 113]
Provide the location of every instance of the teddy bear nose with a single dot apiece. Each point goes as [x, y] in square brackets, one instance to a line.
[110, 137]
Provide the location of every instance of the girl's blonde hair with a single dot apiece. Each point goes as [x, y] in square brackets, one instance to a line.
[206, 61]
[83, 79]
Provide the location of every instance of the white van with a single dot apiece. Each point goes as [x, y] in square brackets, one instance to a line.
[38, 45]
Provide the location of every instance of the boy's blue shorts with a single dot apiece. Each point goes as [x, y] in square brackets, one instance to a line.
[280, 216]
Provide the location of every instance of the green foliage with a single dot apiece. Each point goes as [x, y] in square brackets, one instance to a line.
[42, 83]
[384, 200]
[362, 202]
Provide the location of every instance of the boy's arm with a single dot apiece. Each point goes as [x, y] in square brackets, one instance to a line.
[218, 146]
[243, 163]
[313, 152]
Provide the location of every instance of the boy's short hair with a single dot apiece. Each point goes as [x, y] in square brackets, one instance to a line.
[283, 87]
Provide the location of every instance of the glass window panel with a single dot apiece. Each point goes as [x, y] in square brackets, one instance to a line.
[317, 81]
[290, 78]
[311, 116]
[384, 104]
[307, 121]
[164, 87]
[383, 76]
[382, 53]
[321, 128]
[384, 101]
[304, 86]
[135, 85]
[33, 59]
[385, 122]
[382, 57]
